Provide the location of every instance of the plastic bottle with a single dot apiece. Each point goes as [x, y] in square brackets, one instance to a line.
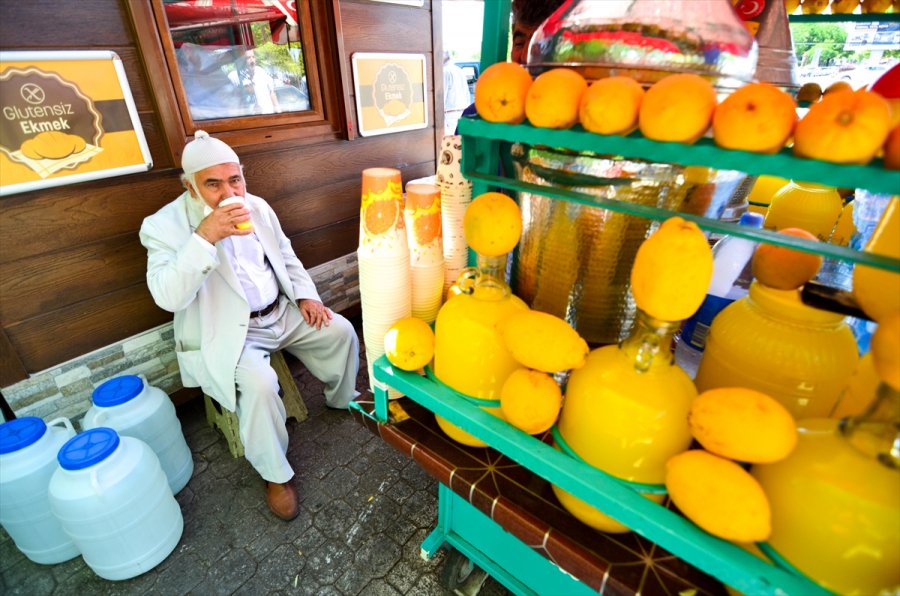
[731, 256]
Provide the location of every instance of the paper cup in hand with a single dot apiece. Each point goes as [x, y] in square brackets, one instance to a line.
[244, 225]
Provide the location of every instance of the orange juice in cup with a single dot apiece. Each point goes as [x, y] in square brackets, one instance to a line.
[244, 225]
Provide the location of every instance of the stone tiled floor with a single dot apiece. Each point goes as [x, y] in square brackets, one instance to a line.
[365, 509]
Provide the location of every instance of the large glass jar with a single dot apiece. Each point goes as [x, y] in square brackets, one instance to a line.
[626, 413]
[836, 500]
[573, 259]
[647, 40]
[469, 354]
[771, 342]
[811, 207]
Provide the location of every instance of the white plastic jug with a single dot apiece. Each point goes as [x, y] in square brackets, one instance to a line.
[28, 450]
[133, 408]
[111, 496]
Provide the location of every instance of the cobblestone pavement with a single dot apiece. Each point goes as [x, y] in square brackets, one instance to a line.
[364, 510]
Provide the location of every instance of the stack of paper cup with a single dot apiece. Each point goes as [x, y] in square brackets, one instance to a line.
[422, 215]
[383, 255]
[456, 194]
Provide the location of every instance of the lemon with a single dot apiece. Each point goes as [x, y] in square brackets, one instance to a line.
[886, 350]
[530, 400]
[492, 224]
[719, 496]
[672, 271]
[409, 344]
[742, 424]
[543, 342]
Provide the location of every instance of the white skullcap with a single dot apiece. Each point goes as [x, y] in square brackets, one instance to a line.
[204, 152]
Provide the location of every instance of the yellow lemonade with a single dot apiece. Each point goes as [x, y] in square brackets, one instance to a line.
[771, 342]
[836, 509]
[625, 412]
[469, 355]
[812, 207]
[878, 290]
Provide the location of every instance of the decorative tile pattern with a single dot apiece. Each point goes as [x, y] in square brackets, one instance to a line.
[66, 389]
[524, 504]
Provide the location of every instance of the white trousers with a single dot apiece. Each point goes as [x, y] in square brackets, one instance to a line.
[331, 354]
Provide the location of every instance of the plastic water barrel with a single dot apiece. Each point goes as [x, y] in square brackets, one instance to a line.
[133, 408]
[111, 496]
[28, 449]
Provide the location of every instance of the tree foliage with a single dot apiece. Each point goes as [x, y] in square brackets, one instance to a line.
[825, 38]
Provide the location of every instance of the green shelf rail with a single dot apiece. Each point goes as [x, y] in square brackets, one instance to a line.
[726, 561]
[873, 177]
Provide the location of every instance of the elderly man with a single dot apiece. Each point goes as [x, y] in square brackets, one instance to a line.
[239, 292]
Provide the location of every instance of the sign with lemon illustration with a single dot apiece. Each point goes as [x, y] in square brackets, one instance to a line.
[390, 92]
[66, 117]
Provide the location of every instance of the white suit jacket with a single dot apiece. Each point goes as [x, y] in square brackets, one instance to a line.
[211, 311]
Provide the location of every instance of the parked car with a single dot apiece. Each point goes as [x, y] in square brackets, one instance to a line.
[472, 70]
[291, 99]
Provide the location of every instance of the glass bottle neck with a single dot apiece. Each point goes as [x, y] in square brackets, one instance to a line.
[876, 432]
[487, 280]
[650, 342]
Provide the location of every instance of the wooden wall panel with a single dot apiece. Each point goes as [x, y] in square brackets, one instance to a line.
[72, 270]
[54, 25]
[69, 332]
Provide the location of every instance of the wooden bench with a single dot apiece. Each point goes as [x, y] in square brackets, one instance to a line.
[227, 422]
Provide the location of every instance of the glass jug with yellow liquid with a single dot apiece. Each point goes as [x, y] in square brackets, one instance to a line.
[836, 500]
[469, 355]
[625, 412]
[811, 207]
[771, 342]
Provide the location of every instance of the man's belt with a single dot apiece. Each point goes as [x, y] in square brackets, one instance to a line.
[263, 312]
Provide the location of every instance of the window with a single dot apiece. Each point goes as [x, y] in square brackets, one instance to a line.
[250, 71]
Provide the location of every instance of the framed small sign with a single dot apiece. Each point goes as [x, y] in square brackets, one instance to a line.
[390, 92]
[66, 117]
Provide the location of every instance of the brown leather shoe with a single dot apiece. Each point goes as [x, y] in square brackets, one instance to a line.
[282, 500]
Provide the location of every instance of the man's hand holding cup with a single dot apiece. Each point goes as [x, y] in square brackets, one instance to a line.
[230, 218]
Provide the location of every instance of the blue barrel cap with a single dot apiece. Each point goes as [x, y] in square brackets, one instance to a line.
[88, 448]
[20, 433]
[752, 219]
[117, 391]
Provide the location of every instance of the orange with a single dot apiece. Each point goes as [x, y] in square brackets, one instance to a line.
[791, 5]
[892, 149]
[492, 224]
[757, 117]
[875, 6]
[500, 93]
[610, 106]
[380, 216]
[843, 6]
[844, 127]
[837, 86]
[785, 268]
[672, 271]
[530, 400]
[885, 348]
[813, 6]
[409, 344]
[553, 99]
[677, 108]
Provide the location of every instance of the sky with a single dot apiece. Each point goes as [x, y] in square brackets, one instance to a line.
[462, 28]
